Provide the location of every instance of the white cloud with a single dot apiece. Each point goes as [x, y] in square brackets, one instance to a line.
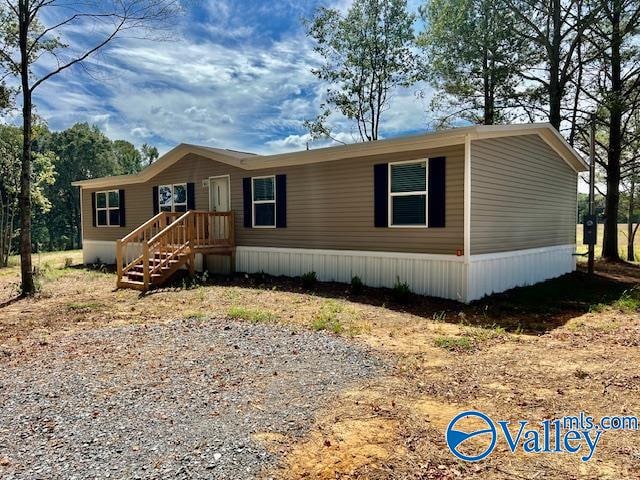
[246, 94]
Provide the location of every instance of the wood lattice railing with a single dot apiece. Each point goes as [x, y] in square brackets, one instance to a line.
[150, 254]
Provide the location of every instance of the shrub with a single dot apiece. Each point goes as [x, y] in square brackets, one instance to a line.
[309, 280]
[401, 293]
[356, 285]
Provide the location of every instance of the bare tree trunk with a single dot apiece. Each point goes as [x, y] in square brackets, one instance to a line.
[630, 229]
[24, 200]
[555, 89]
[614, 153]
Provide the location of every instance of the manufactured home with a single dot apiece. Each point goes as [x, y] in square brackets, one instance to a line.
[460, 213]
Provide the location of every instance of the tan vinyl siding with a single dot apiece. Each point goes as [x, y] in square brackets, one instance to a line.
[523, 195]
[329, 205]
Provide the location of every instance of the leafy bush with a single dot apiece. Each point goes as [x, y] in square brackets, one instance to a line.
[309, 280]
[401, 293]
[356, 285]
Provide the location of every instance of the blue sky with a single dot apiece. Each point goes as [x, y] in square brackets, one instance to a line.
[237, 74]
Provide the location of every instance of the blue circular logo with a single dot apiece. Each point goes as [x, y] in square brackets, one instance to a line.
[457, 438]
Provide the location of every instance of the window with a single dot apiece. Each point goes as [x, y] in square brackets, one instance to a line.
[108, 208]
[172, 198]
[264, 201]
[408, 194]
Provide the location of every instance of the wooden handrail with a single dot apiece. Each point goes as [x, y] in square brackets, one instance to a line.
[166, 229]
[142, 227]
[177, 241]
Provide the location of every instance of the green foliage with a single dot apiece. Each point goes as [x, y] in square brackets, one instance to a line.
[254, 315]
[84, 306]
[43, 175]
[473, 59]
[454, 344]
[327, 318]
[356, 285]
[149, 154]
[400, 293]
[309, 280]
[367, 53]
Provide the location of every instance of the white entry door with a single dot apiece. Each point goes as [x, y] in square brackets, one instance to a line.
[219, 194]
[219, 201]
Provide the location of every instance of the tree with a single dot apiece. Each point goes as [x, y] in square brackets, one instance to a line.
[366, 54]
[149, 154]
[27, 43]
[473, 58]
[10, 160]
[128, 157]
[82, 152]
[614, 82]
[555, 29]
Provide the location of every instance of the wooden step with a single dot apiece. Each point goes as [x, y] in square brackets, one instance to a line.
[131, 284]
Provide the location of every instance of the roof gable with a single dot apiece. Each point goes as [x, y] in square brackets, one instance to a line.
[248, 161]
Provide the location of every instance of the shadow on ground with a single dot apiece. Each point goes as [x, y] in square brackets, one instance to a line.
[534, 309]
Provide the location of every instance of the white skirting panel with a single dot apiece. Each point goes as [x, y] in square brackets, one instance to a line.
[98, 251]
[497, 272]
[426, 274]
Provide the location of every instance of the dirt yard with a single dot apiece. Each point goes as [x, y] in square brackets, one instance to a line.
[569, 345]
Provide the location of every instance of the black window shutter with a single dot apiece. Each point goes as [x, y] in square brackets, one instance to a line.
[191, 196]
[380, 194]
[122, 208]
[246, 196]
[156, 201]
[93, 208]
[281, 201]
[436, 192]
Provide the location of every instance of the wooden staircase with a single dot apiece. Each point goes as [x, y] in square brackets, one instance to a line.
[152, 253]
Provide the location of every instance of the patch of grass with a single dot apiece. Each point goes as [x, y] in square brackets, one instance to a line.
[309, 280]
[484, 334]
[84, 306]
[195, 315]
[253, 315]
[232, 294]
[629, 301]
[455, 344]
[327, 318]
[439, 316]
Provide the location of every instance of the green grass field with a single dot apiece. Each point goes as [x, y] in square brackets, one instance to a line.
[622, 241]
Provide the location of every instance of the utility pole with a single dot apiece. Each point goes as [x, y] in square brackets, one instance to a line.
[592, 189]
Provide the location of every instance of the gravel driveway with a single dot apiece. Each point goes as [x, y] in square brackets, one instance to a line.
[180, 400]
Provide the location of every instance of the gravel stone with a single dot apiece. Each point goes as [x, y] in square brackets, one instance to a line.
[179, 400]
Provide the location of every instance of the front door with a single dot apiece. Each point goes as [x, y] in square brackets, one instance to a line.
[219, 201]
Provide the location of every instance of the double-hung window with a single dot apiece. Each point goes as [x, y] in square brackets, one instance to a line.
[408, 194]
[264, 201]
[172, 198]
[108, 208]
